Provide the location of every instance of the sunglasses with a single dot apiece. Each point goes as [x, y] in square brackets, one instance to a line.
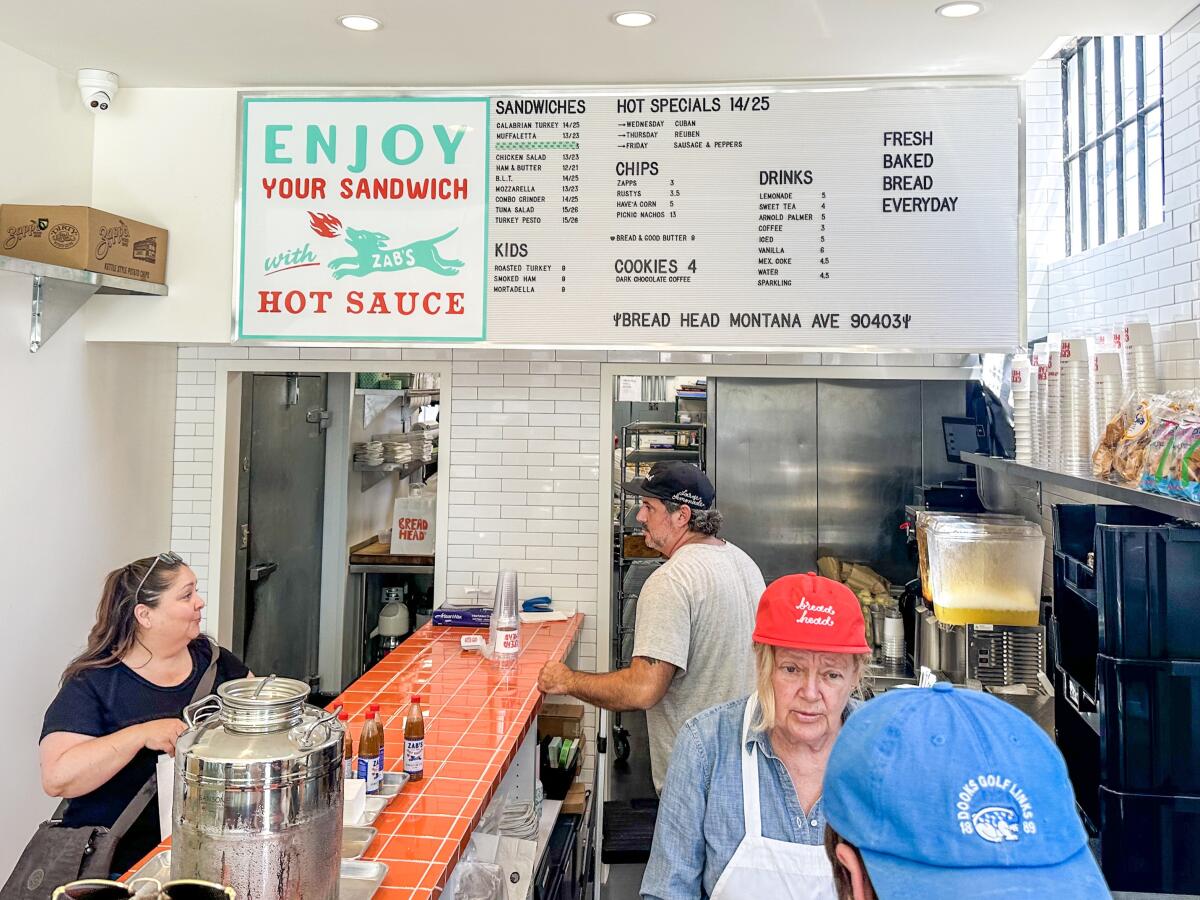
[171, 558]
[143, 889]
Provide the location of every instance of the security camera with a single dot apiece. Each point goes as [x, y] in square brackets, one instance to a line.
[97, 88]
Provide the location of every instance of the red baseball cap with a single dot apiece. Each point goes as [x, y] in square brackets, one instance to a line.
[810, 612]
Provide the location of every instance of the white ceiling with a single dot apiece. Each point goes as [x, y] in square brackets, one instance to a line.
[529, 42]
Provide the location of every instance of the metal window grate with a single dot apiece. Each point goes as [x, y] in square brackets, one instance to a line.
[1113, 138]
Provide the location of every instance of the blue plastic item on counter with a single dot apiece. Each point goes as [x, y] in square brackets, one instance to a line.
[462, 616]
[536, 604]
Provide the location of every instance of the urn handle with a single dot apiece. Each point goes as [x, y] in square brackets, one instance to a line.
[306, 740]
[202, 710]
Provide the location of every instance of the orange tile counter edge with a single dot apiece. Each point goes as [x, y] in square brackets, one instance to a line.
[476, 716]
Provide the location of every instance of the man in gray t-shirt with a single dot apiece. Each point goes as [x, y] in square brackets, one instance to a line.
[695, 617]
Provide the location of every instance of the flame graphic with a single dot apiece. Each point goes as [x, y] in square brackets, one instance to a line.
[324, 224]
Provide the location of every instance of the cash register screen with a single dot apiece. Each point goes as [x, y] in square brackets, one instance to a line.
[961, 434]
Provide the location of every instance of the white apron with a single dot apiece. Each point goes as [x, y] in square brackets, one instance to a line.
[761, 867]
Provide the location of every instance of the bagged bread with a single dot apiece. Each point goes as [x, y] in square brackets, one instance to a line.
[1158, 474]
[1184, 461]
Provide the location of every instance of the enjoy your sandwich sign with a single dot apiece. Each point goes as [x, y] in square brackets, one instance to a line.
[362, 219]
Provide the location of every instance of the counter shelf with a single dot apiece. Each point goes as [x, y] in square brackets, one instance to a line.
[477, 716]
[1176, 509]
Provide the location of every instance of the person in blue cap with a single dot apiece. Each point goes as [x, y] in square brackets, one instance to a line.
[943, 794]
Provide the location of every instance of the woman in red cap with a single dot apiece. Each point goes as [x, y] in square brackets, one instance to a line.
[740, 814]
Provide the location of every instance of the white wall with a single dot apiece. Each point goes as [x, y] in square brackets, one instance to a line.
[85, 466]
[1153, 274]
[1044, 194]
[166, 157]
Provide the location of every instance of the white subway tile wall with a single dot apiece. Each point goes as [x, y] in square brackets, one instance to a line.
[525, 456]
[1152, 273]
[1044, 194]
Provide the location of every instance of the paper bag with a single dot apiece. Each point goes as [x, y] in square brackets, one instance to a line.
[165, 773]
[412, 526]
[513, 855]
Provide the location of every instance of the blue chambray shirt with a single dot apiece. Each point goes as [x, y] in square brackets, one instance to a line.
[700, 817]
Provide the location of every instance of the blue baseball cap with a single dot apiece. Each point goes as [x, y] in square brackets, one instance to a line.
[952, 793]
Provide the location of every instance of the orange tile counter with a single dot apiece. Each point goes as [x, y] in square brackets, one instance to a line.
[476, 717]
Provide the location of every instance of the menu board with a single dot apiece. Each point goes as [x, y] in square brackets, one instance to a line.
[362, 219]
[817, 217]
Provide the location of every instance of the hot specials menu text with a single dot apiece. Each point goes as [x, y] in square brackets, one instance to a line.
[883, 217]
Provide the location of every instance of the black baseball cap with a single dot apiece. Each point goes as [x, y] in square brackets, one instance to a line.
[675, 482]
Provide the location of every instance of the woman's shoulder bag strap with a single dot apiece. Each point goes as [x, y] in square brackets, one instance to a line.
[142, 798]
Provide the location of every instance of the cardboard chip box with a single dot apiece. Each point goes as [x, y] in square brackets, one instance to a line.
[576, 799]
[79, 237]
[560, 720]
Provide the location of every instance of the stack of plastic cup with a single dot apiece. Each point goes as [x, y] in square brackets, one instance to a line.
[1075, 408]
[1141, 377]
[1022, 404]
[1053, 430]
[504, 637]
[1106, 391]
[1041, 370]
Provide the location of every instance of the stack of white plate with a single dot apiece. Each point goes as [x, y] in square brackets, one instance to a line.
[1075, 413]
[369, 453]
[1107, 392]
[1022, 404]
[1052, 431]
[1138, 348]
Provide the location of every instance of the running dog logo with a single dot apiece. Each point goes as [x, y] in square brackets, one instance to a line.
[371, 253]
[996, 824]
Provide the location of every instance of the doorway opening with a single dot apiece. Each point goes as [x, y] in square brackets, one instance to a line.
[331, 521]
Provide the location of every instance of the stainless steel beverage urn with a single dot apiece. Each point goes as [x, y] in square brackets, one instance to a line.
[258, 792]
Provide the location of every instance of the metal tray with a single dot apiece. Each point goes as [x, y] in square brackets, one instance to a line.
[360, 879]
[391, 785]
[355, 841]
[158, 866]
[374, 806]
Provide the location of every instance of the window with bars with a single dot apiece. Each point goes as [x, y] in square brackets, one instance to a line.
[1112, 102]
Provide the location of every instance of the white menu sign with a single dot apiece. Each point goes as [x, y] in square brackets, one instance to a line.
[881, 218]
[362, 219]
[874, 218]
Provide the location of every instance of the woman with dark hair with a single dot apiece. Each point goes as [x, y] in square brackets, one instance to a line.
[121, 700]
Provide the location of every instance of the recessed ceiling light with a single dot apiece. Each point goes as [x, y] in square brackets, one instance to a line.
[633, 18]
[960, 10]
[358, 23]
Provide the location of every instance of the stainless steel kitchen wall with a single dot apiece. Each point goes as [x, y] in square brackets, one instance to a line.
[762, 458]
[809, 468]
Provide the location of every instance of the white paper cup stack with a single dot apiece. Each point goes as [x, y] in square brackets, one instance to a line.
[1053, 431]
[1041, 370]
[1118, 345]
[1138, 343]
[1106, 391]
[1021, 376]
[1075, 422]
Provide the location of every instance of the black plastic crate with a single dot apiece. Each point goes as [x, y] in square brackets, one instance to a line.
[1076, 629]
[1075, 534]
[1150, 725]
[1079, 743]
[1148, 842]
[1148, 591]
[1074, 525]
